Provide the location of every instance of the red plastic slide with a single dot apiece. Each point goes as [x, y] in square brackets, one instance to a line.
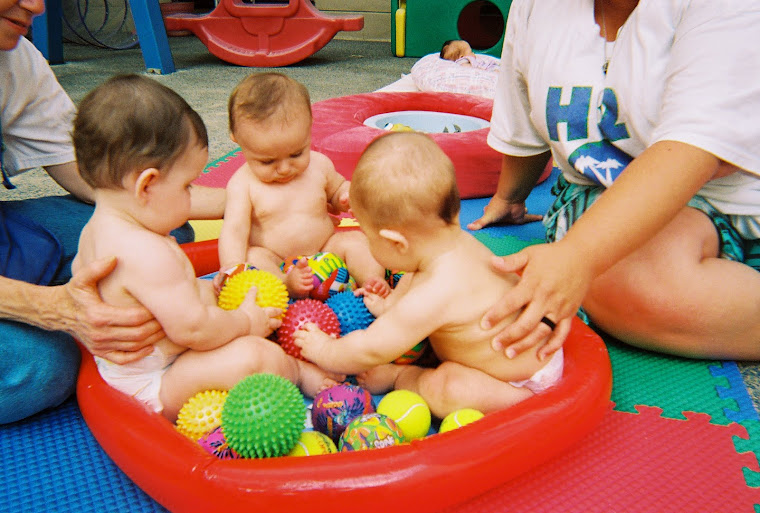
[264, 34]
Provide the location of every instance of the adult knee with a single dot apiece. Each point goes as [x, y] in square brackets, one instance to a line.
[38, 370]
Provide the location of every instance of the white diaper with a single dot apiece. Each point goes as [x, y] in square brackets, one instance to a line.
[140, 379]
[546, 377]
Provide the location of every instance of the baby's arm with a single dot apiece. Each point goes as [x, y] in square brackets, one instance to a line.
[164, 284]
[388, 337]
[336, 185]
[236, 228]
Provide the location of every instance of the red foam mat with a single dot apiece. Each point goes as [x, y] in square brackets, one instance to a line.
[636, 463]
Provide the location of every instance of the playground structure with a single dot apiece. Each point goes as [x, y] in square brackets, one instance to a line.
[419, 27]
[264, 35]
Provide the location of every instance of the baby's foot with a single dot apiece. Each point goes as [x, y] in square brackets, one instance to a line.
[312, 379]
[299, 280]
[380, 379]
[377, 286]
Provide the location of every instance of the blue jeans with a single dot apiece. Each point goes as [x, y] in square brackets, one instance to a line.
[38, 368]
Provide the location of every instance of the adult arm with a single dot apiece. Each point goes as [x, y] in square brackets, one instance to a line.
[517, 178]
[118, 334]
[556, 277]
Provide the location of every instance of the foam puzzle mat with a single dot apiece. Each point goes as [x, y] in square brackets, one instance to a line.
[680, 435]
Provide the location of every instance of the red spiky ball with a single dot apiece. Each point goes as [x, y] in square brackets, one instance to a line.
[301, 312]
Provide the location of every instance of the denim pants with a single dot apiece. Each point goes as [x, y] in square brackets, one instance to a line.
[38, 368]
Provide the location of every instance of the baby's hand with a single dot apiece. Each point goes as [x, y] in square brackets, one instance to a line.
[312, 342]
[377, 286]
[262, 321]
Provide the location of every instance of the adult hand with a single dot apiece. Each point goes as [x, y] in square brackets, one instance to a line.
[550, 291]
[119, 334]
[501, 210]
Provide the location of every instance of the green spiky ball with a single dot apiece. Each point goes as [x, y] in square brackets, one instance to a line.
[271, 290]
[263, 416]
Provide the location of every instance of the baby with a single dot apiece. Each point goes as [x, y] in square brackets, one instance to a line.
[460, 51]
[140, 146]
[405, 197]
[279, 203]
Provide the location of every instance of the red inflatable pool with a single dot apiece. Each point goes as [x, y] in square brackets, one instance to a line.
[340, 133]
[424, 476]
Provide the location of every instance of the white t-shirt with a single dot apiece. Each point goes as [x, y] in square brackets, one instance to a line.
[37, 114]
[682, 70]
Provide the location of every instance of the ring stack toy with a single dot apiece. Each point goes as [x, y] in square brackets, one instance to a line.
[263, 416]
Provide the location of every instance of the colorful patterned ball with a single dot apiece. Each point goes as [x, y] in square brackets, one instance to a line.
[263, 416]
[392, 277]
[215, 443]
[271, 290]
[351, 312]
[371, 431]
[330, 274]
[301, 312]
[312, 443]
[201, 413]
[335, 407]
[413, 354]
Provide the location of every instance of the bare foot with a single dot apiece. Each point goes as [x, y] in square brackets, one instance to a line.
[380, 379]
[312, 379]
[299, 280]
[377, 286]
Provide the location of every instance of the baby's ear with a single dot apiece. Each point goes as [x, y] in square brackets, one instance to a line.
[145, 179]
[232, 138]
[396, 238]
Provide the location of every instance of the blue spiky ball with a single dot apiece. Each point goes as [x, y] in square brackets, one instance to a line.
[351, 312]
[263, 416]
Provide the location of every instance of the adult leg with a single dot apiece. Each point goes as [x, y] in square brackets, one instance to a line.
[675, 295]
[38, 370]
[64, 217]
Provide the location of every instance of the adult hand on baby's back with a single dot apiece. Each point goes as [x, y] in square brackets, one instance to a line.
[500, 210]
[119, 334]
[263, 321]
[550, 291]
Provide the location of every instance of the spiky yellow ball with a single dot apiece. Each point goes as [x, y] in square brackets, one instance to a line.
[201, 413]
[271, 290]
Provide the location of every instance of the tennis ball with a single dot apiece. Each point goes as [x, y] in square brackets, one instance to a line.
[311, 443]
[271, 290]
[459, 418]
[201, 413]
[410, 412]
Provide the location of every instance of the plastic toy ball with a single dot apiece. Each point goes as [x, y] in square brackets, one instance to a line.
[371, 431]
[312, 443]
[410, 412]
[335, 407]
[459, 418]
[413, 354]
[201, 413]
[263, 416]
[392, 277]
[215, 443]
[301, 312]
[330, 274]
[350, 310]
[271, 290]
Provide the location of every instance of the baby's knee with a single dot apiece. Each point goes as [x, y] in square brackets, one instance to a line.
[263, 356]
[440, 384]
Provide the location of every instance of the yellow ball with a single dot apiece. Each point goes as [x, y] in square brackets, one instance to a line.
[201, 413]
[409, 411]
[311, 443]
[271, 290]
[459, 418]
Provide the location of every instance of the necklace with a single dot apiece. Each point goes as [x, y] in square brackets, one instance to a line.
[604, 35]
